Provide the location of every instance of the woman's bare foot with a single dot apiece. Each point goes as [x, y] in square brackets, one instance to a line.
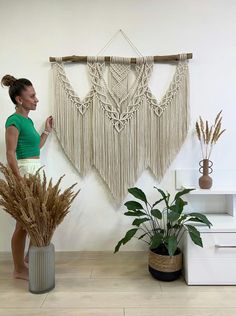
[26, 260]
[23, 274]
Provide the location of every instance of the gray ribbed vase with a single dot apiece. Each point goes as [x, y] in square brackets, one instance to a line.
[41, 269]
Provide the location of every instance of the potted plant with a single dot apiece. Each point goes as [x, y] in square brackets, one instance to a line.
[208, 136]
[162, 230]
[39, 207]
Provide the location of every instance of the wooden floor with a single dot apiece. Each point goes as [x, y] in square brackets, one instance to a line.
[107, 284]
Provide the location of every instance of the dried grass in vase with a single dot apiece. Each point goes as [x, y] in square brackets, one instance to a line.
[208, 135]
[39, 207]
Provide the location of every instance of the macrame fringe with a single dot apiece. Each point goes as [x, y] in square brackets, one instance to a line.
[72, 124]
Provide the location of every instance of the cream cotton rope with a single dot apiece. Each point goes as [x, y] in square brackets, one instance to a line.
[120, 128]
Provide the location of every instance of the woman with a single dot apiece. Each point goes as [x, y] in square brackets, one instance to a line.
[23, 145]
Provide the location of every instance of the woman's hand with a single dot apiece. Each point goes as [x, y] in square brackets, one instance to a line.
[48, 124]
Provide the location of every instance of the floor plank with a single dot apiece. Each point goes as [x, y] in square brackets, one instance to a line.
[104, 283]
[179, 312]
[62, 312]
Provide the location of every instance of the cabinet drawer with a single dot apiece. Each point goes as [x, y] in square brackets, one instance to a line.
[215, 245]
[210, 271]
[214, 263]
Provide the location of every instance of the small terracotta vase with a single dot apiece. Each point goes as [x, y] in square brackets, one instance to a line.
[205, 181]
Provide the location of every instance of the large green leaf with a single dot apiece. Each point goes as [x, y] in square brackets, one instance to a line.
[156, 213]
[178, 206]
[118, 245]
[192, 229]
[133, 205]
[182, 192]
[194, 219]
[135, 213]
[172, 216]
[130, 233]
[172, 245]
[195, 235]
[182, 218]
[138, 193]
[156, 240]
[157, 202]
[139, 221]
[202, 217]
[163, 194]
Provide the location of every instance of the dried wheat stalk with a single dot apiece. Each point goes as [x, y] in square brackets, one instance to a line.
[208, 136]
[38, 207]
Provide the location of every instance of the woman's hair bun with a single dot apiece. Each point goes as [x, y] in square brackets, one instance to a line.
[8, 80]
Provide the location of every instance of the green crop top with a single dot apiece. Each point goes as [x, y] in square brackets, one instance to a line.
[28, 139]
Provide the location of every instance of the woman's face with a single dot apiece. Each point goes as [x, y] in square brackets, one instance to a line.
[28, 99]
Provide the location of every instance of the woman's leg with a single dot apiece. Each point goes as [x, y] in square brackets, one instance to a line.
[32, 168]
[27, 254]
[19, 236]
[18, 248]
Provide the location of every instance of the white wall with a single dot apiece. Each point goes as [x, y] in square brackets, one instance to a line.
[31, 31]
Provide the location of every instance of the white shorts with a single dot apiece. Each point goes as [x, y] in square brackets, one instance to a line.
[29, 166]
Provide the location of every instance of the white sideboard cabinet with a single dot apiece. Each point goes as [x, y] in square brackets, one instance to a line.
[215, 263]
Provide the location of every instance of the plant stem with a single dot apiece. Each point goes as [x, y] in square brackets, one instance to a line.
[164, 225]
[210, 151]
[150, 215]
[142, 240]
[201, 148]
[181, 235]
[147, 230]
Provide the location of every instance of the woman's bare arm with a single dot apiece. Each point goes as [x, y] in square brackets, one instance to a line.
[11, 136]
[43, 139]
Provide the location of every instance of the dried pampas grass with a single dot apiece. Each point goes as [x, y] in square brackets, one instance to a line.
[39, 207]
[208, 136]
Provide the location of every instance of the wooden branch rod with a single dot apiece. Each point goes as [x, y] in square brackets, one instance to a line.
[82, 59]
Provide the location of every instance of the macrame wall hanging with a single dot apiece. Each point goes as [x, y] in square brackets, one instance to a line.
[118, 128]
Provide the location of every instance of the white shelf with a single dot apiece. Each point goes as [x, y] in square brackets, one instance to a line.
[228, 195]
[222, 192]
[223, 179]
[199, 191]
